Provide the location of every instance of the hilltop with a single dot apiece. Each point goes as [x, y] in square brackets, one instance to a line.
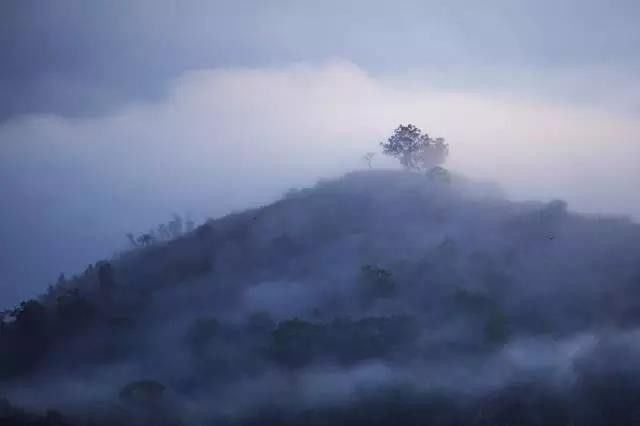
[378, 294]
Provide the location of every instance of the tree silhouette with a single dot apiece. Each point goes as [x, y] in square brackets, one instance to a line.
[105, 276]
[368, 157]
[415, 150]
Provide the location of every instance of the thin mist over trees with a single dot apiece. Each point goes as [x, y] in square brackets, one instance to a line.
[381, 297]
[173, 229]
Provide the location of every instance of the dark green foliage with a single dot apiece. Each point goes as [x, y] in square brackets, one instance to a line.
[73, 312]
[31, 330]
[30, 318]
[497, 330]
[610, 400]
[142, 392]
[484, 309]
[175, 228]
[371, 337]
[146, 240]
[25, 339]
[375, 283]
[524, 405]
[297, 343]
[202, 332]
[143, 402]
[170, 264]
[5, 407]
[222, 352]
[260, 323]
[105, 276]
[529, 403]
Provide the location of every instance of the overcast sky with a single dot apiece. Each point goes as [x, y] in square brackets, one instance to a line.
[113, 115]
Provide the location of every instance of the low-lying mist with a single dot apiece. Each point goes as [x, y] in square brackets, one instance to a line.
[376, 297]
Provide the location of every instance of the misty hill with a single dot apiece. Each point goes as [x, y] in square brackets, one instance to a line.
[380, 297]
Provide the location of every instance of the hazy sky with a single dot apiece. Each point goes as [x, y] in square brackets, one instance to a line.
[113, 115]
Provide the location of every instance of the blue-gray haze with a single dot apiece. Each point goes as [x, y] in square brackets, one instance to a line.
[114, 115]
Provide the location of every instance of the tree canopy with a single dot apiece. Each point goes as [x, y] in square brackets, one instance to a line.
[415, 150]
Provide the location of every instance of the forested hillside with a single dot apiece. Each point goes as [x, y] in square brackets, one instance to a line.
[382, 297]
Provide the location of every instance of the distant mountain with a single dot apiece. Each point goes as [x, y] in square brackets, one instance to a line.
[382, 297]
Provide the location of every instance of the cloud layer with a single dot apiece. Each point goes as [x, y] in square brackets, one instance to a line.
[85, 59]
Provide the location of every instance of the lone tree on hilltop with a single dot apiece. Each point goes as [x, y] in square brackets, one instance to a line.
[414, 149]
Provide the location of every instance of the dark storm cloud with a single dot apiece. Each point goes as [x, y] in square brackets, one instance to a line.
[87, 57]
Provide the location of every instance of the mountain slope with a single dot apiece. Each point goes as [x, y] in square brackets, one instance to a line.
[422, 296]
